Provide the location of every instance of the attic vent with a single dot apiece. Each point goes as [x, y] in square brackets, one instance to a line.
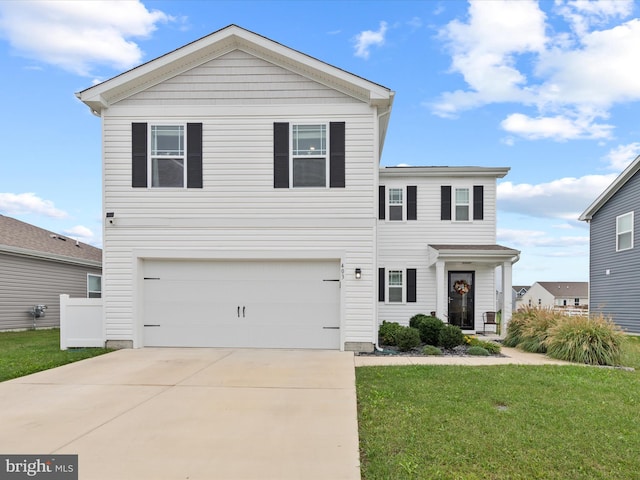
[57, 237]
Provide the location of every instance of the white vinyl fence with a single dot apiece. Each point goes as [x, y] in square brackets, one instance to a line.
[81, 322]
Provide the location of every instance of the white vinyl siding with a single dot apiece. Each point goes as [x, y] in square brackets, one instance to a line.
[238, 208]
[406, 244]
[238, 78]
[624, 231]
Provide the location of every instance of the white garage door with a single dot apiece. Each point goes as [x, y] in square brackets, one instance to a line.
[266, 304]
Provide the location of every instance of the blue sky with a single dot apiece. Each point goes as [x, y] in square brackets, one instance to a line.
[549, 89]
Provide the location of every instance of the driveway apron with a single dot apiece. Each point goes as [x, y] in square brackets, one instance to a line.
[179, 413]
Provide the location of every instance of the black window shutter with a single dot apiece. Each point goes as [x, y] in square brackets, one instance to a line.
[381, 284]
[138, 154]
[280, 155]
[478, 202]
[412, 202]
[194, 155]
[445, 202]
[411, 284]
[381, 202]
[336, 154]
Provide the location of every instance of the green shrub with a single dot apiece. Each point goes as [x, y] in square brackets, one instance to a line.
[478, 350]
[387, 332]
[407, 338]
[450, 336]
[491, 347]
[416, 320]
[429, 329]
[431, 350]
[595, 341]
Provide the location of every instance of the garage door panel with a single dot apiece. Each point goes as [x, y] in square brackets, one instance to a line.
[272, 304]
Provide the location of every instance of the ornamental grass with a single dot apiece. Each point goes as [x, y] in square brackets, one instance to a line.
[594, 340]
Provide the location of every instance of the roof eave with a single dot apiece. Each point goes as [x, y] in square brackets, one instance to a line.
[24, 252]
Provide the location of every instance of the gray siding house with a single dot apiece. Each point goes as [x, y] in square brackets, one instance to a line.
[36, 266]
[614, 263]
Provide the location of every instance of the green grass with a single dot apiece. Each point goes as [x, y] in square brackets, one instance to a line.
[500, 422]
[23, 353]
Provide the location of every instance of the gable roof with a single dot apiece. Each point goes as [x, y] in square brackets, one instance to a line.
[566, 289]
[611, 190]
[221, 42]
[22, 238]
[519, 288]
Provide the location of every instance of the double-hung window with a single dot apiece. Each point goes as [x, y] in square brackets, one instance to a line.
[309, 155]
[462, 204]
[624, 231]
[168, 156]
[396, 286]
[396, 204]
[94, 286]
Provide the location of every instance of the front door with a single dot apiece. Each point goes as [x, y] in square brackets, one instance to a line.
[461, 296]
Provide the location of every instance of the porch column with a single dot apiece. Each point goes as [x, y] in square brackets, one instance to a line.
[506, 297]
[441, 292]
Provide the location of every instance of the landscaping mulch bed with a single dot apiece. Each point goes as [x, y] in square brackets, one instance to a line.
[459, 351]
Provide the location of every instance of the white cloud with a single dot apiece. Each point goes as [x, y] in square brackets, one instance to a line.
[25, 203]
[82, 234]
[559, 127]
[365, 40]
[564, 199]
[536, 238]
[510, 52]
[622, 155]
[76, 36]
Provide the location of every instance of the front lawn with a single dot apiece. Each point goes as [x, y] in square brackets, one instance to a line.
[22, 353]
[500, 422]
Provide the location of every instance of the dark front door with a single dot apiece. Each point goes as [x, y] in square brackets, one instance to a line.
[461, 296]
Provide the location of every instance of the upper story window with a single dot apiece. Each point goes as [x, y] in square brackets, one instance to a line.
[396, 204]
[159, 155]
[624, 231]
[94, 286]
[462, 204]
[309, 155]
[167, 155]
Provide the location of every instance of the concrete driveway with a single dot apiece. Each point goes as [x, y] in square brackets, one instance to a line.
[178, 413]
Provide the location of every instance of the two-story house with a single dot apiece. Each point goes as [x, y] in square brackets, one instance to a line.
[241, 202]
[614, 257]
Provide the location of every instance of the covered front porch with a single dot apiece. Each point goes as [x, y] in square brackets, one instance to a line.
[466, 284]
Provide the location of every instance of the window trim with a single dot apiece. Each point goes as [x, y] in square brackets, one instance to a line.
[402, 204]
[89, 291]
[619, 233]
[402, 286]
[326, 156]
[151, 157]
[455, 204]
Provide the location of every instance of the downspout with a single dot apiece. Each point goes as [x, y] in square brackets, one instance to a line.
[376, 341]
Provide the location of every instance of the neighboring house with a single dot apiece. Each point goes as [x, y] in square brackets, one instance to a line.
[517, 292]
[557, 295]
[614, 260]
[241, 198]
[36, 266]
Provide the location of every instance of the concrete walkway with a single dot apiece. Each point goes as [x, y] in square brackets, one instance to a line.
[512, 356]
[191, 414]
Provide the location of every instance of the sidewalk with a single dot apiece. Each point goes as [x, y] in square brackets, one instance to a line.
[512, 356]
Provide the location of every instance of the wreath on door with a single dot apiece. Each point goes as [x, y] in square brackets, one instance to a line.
[461, 287]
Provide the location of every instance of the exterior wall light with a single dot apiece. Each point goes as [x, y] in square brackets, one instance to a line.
[358, 274]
